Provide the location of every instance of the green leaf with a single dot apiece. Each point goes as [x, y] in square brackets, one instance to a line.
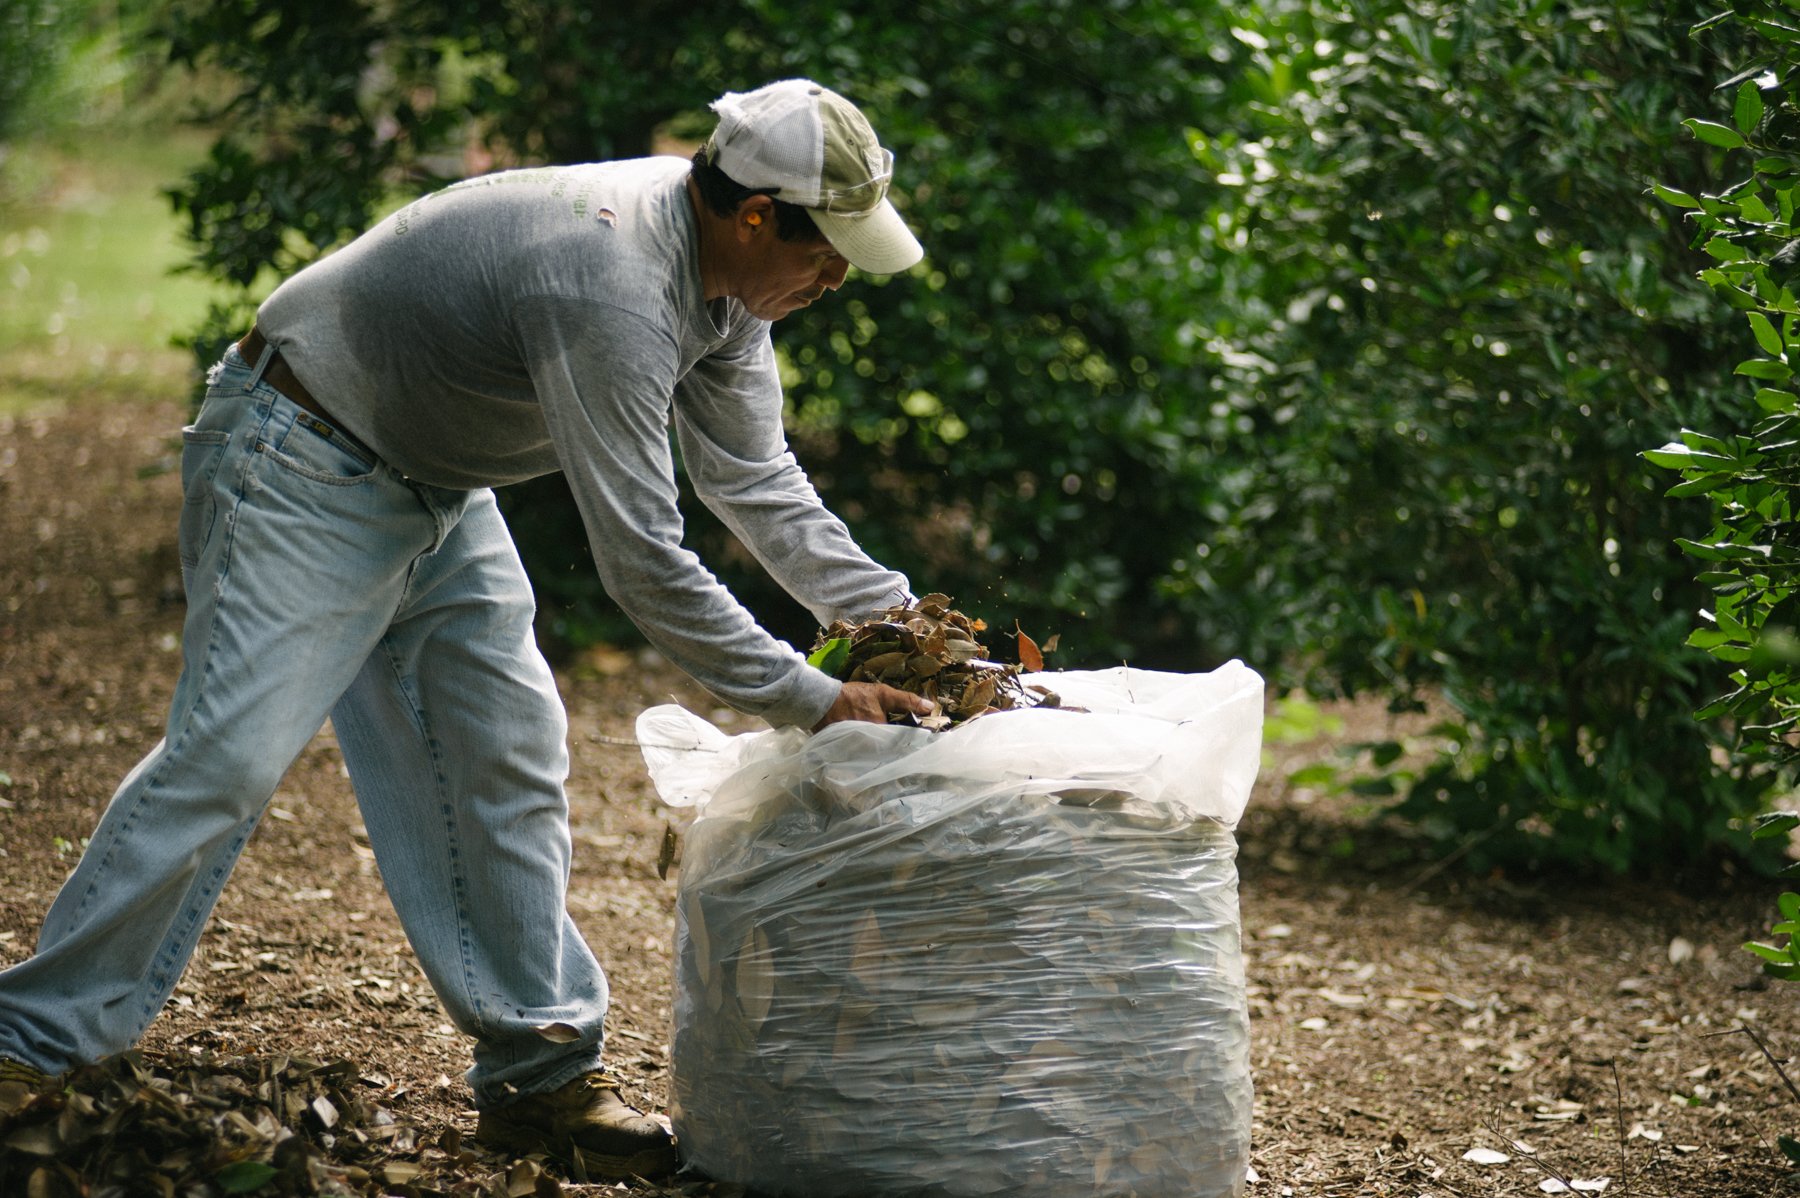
[1771, 400]
[1714, 134]
[1321, 774]
[1790, 1148]
[1706, 444]
[1765, 368]
[1725, 250]
[1705, 484]
[1676, 456]
[1789, 902]
[1696, 549]
[241, 1177]
[1766, 336]
[1775, 31]
[831, 657]
[1768, 952]
[1724, 551]
[1718, 707]
[1747, 113]
[1751, 208]
[1775, 823]
[1671, 195]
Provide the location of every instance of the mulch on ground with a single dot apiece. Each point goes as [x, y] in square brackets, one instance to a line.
[1415, 1031]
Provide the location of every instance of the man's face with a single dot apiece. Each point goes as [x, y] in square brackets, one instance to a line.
[788, 275]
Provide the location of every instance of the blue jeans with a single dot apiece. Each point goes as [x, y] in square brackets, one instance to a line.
[322, 582]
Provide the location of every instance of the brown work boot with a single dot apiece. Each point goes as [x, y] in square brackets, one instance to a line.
[584, 1123]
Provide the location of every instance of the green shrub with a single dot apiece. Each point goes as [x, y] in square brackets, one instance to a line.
[1461, 315]
[1750, 559]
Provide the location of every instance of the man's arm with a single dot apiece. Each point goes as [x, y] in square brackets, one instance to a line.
[604, 381]
[735, 451]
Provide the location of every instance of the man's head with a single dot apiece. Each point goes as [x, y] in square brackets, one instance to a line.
[809, 149]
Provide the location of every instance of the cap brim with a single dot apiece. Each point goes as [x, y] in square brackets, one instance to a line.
[876, 242]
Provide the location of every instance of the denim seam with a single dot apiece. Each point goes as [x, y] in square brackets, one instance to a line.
[165, 959]
[170, 957]
[295, 466]
[265, 391]
[458, 887]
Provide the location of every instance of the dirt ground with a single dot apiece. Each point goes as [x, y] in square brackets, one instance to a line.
[1585, 1030]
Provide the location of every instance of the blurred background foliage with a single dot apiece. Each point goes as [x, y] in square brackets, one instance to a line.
[92, 125]
[1325, 334]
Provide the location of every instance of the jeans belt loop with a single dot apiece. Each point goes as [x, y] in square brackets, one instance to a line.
[265, 353]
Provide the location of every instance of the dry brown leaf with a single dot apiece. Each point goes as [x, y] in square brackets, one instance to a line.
[933, 650]
[1030, 656]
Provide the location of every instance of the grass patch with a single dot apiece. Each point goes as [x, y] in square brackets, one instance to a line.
[89, 303]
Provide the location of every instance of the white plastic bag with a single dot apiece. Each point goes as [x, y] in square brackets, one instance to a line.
[998, 960]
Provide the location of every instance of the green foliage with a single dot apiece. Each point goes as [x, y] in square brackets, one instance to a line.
[68, 67]
[1750, 559]
[1455, 317]
[36, 40]
[1781, 960]
[1321, 333]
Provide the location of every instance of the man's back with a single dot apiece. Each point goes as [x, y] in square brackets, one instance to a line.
[425, 334]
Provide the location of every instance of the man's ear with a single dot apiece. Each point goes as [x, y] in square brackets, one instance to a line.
[754, 214]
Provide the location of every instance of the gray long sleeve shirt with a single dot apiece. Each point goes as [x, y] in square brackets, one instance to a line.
[541, 320]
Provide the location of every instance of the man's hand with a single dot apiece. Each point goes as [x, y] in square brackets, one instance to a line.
[872, 701]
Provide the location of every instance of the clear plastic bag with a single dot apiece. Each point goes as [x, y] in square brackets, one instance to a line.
[998, 960]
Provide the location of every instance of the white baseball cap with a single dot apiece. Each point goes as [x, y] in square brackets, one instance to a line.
[807, 145]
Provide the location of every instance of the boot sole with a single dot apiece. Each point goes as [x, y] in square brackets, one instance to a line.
[648, 1163]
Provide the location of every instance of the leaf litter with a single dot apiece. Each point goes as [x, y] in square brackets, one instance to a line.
[145, 1123]
[1385, 1103]
[931, 649]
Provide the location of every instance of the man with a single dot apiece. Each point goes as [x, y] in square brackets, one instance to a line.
[343, 556]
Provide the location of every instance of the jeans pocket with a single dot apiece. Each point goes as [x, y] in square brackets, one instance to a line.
[202, 449]
[315, 450]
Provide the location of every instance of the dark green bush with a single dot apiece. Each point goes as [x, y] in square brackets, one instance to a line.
[1750, 560]
[1464, 314]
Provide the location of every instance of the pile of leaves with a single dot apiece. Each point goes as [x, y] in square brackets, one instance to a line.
[204, 1125]
[930, 649]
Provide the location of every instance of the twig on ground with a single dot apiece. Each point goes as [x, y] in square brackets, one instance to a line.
[1619, 1121]
[1757, 1039]
[1443, 863]
[1530, 1156]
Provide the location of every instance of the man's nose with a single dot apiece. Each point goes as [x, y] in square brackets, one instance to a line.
[833, 274]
